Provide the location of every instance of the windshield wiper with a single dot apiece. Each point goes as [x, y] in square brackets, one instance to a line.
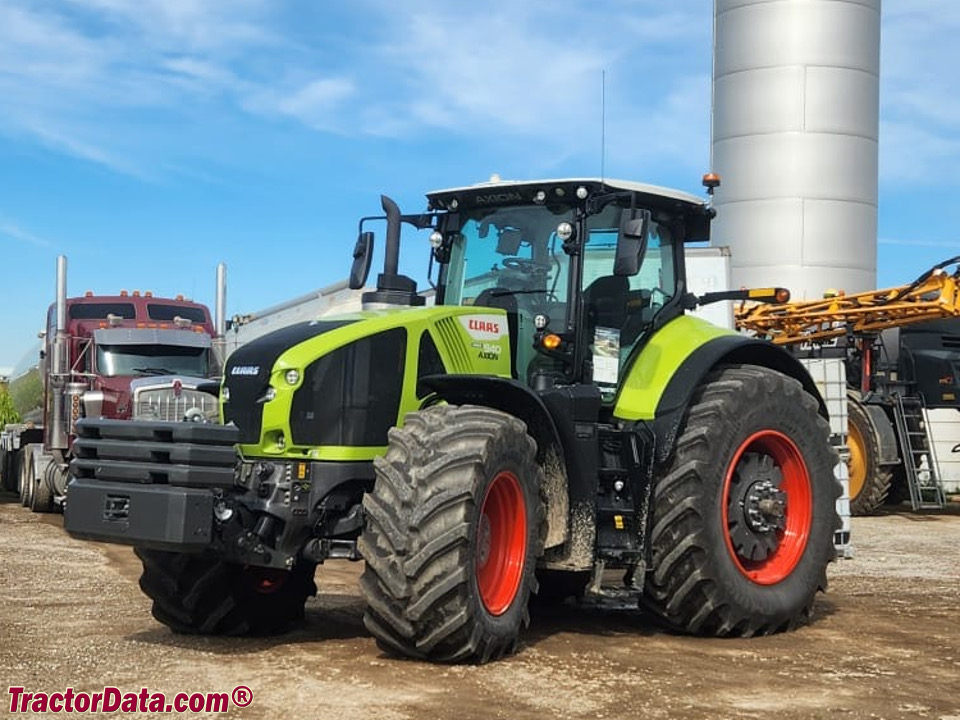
[154, 371]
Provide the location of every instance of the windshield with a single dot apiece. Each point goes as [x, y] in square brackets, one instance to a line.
[511, 258]
[114, 360]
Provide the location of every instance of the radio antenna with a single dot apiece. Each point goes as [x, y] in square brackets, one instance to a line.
[603, 123]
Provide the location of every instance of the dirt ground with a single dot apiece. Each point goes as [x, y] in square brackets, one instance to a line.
[885, 643]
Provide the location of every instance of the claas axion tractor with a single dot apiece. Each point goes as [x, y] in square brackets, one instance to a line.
[554, 419]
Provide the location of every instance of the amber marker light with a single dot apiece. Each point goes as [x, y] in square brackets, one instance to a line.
[783, 295]
[551, 341]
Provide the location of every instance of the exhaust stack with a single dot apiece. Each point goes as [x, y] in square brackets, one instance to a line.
[220, 313]
[392, 288]
[58, 363]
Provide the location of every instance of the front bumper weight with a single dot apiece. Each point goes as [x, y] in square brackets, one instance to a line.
[161, 517]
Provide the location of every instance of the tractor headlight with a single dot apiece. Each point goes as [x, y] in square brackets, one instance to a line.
[565, 231]
[436, 239]
[292, 377]
[225, 393]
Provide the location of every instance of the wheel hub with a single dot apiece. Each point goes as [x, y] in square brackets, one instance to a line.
[757, 507]
[765, 507]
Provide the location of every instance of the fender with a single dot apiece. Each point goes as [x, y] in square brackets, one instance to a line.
[677, 359]
[516, 399]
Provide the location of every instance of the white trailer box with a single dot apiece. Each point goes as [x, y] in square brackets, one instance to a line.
[945, 430]
[708, 270]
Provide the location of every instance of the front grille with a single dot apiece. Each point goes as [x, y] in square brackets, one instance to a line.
[164, 404]
[351, 396]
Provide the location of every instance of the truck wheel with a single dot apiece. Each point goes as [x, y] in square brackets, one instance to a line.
[869, 480]
[23, 483]
[8, 479]
[454, 527]
[744, 515]
[41, 495]
[199, 594]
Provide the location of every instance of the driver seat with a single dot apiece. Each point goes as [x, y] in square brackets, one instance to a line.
[504, 299]
[605, 300]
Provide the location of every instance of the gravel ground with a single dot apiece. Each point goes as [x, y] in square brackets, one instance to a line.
[884, 643]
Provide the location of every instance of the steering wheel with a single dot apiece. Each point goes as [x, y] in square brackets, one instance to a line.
[528, 267]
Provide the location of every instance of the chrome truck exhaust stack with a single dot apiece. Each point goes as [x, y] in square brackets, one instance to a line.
[59, 372]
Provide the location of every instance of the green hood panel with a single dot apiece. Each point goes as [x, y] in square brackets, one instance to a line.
[658, 362]
[467, 340]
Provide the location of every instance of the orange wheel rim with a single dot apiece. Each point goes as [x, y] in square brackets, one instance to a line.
[767, 503]
[857, 464]
[501, 543]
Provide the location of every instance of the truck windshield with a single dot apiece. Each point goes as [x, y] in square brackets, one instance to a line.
[114, 360]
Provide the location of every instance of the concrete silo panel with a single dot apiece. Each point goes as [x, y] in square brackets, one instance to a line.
[795, 125]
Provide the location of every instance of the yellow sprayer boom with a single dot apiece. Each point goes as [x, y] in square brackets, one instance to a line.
[935, 295]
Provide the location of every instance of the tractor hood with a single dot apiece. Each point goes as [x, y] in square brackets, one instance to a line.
[331, 389]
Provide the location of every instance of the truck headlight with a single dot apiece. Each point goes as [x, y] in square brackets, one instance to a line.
[292, 377]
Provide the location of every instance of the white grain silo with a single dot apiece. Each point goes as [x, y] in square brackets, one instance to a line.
[795, 120]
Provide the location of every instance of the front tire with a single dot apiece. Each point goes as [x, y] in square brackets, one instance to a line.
[744, 515]
[199, 594]
[454, 527]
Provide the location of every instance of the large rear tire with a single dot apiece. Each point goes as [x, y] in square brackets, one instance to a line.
[199, 594]
[744, 515]
[869, 480]
[454, 527]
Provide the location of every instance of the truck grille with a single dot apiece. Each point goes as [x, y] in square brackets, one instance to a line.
[164, 404]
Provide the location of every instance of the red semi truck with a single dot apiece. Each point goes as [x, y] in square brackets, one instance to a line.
[125, 356]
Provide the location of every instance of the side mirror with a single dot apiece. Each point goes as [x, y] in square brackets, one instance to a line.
[362, 255]
[631, 242]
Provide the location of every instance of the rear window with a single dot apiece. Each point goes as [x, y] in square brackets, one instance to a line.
[169, 312]
[99, 311]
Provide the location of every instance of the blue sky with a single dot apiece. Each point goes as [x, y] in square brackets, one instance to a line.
[149, 140]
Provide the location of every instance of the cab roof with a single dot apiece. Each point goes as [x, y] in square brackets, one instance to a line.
[509, 192]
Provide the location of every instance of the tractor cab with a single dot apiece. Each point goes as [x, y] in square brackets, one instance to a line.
[584, 269]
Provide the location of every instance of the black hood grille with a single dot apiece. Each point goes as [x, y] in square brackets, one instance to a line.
[350, 397]
[247, 373]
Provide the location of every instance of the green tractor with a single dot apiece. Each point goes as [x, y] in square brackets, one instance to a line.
[554, 418]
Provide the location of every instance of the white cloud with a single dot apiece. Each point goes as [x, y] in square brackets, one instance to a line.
[15, 232]
[920, 110]
[914, 153]
[317, 102]
[500, 70]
